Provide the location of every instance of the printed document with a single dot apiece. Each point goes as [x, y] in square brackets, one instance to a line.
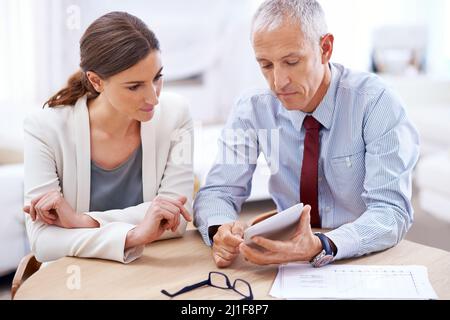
[302, 281]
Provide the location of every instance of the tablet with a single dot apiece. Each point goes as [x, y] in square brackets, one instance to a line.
[280, 226]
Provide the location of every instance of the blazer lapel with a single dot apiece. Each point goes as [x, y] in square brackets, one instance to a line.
[83, 155]
[148, 138]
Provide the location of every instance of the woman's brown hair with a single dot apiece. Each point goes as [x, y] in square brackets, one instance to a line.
[113, 43]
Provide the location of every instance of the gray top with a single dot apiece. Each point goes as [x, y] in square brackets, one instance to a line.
[117, 188]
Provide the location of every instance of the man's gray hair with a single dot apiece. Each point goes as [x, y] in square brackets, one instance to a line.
[271, 14]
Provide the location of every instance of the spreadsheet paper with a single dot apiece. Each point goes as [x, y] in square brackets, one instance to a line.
[302, 281]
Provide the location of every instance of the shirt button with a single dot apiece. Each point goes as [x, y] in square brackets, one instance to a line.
[320, 179]
[327, 209]
[348, 162]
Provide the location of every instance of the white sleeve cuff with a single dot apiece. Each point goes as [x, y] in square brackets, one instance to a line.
[132, 254]
[117, 237]
[97, 216]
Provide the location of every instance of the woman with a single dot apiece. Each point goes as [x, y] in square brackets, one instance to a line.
[108, 165]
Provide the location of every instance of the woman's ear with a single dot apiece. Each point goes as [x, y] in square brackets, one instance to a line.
[326, 47]
[95, 80]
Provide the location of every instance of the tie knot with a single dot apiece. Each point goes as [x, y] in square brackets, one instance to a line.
[310, 123]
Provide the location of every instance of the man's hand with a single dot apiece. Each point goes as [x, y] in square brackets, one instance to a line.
[303, 246]
[226, 243]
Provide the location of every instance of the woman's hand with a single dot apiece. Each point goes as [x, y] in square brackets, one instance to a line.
[163, 214]
[51, 208]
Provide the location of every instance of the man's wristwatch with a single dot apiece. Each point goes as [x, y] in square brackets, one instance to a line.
[326, 255]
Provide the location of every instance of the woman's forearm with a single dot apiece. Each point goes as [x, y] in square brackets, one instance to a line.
[133, 239]
[85, 221]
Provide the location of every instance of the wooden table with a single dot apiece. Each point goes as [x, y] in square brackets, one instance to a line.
[173, 264]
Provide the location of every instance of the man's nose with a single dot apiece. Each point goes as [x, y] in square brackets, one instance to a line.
[281, 79]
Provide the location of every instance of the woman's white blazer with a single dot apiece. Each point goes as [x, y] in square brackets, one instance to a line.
[57, 156]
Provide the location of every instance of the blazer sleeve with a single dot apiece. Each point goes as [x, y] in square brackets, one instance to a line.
[51, 242]
[177, 179]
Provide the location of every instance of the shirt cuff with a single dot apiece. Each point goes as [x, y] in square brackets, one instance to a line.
[213, 221]
[346, 240]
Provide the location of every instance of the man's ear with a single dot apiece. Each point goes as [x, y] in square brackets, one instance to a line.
[326, 47]
[95, 80]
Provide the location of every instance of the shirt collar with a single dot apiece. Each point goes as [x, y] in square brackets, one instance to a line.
[325, 109]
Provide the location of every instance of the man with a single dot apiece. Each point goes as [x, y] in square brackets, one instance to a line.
[345, 148]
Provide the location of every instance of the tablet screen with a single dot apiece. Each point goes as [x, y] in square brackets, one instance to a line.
[280, 226]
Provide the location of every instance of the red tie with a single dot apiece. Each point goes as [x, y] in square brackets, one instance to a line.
[310, 168]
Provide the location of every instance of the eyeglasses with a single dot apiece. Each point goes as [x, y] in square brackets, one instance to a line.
[221, 281]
